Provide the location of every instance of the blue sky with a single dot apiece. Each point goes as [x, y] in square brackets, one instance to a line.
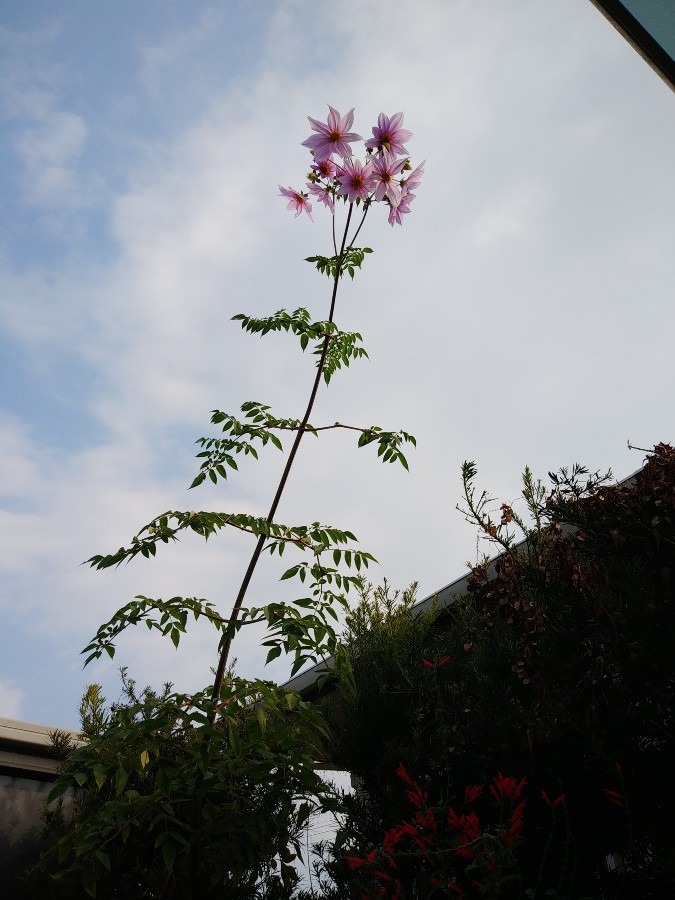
[522, 315]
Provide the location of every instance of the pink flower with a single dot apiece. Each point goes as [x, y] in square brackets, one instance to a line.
[356, 179]
[414, 179]
[407, 196]
[296, 201]
[388, 134]
[385, 169]
[323, 194]
[325, 169]
[400, 209]
[333, 137]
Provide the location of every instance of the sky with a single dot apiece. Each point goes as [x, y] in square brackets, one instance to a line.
[522, 315]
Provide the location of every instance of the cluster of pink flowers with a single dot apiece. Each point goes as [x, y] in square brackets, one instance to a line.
[336, 173]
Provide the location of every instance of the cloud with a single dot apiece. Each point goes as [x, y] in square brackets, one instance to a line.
[10, 700]
[50, 152]
[493, 318]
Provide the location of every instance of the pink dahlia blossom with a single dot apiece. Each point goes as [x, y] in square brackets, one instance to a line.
[415, 178]
[323, 194]
[388, 134]
[325, 169]
[398, 210]
[401, 208]
[296, 201]
[355, 179]
[385, 169]
[333, 137]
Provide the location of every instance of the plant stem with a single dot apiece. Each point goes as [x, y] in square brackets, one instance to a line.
[260, 543]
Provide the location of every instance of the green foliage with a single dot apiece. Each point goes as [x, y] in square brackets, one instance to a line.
[92, 712]
[332, 347]
[388, 444]
[205, 795]
[304, 628]
[171, 622]
[168, 525]
[336, 266]
[180, 796]
[556, 666]
[217, 452]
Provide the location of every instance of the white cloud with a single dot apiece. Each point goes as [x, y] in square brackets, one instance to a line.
[10, 700]
[50, 152]
[494, 318]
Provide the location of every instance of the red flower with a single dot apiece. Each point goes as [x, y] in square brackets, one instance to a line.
[473, 792]
[423, 843]
[407, 828]
[383, 875]
[558, 800]
[615, 798]
[468, 828]
[426, 819]
[403, 775]
[506, 788]
[469, 825]
[391, 839]
[417, 796]
[441, 662]
[516, 820]
[447, 885]
[355, 862]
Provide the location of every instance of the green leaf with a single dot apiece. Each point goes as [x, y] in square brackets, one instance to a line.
[100, 775]
[88, 881]
[121, 780]
[273, 653]
[61, 785]
[103, 858]
[169, 854]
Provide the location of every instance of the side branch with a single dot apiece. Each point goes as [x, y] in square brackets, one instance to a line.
[217, 453]
[166, 528]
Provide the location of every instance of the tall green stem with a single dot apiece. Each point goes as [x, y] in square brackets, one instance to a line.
[260, 543]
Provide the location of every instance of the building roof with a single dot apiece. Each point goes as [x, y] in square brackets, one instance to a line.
[649, 26]
[305, 683]
[26, 749]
